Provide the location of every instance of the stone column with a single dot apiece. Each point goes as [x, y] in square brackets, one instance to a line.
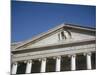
[14, 68]
[88, 57]
[58, 63]
[43, 65]
[29, 66]
[73, 62]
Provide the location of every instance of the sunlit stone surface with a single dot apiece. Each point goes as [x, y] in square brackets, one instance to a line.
[63, 48]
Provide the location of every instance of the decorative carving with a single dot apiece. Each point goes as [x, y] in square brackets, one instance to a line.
[63, 35]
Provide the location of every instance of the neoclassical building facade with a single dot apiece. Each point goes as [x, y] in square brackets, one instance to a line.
[66, 47]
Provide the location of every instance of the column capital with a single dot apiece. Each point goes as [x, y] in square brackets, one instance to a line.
[44, 59]
[55, 57]
[28, 61]
[69, 55]
[84, 54]
[40, 59]
[15, 63]
[59, 57]
[89, 53]
[73, 55]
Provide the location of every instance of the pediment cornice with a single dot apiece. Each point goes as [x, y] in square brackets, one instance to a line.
[52, 31]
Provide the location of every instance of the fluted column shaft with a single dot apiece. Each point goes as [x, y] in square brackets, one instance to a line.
[73, 62]
[43, 65]
[88, 57]
[14, 68]
[58, 63]
[29, 66]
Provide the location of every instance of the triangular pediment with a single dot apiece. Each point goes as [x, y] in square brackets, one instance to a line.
[59, 34]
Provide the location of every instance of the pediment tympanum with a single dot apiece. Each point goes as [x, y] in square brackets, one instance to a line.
[60, 35]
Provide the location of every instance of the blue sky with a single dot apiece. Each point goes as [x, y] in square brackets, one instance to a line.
[32, 18]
